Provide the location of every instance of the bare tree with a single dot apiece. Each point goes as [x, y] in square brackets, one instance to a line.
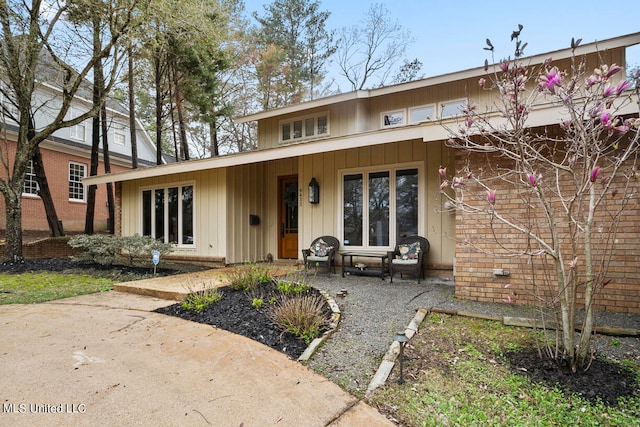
[28, 31]
[370, 51]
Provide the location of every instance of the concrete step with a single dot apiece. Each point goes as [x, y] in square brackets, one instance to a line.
[179, 286]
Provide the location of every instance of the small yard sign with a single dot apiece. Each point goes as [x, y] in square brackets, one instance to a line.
[156, 260]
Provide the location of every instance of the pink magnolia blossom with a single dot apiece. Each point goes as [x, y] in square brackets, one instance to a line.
[504, 66]
[622, 86]
[608, 91]
[444, 184]
[550, 80]
[606, 120]
[533, 180]
[573, 263]
[594, 174]
[443, 173]
[482, 82]
[592, 80]
[469, 107]
[610, 71]
[491, 196]
[469, 122]
[458, 182]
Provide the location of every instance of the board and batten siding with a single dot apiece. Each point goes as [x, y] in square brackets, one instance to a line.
[253, 190]
[210, 212]
[436, 224]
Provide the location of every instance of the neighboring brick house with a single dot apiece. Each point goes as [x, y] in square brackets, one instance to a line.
[66, 158]
[374, 157]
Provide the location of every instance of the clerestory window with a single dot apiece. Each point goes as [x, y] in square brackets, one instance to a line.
[301, 128]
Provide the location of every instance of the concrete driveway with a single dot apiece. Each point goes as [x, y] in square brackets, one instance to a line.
[107, 359]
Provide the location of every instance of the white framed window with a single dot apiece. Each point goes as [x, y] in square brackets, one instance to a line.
[119, 137]
[379, 206]
[78, 131]
[306, 127]
[30, 186]
[423, 113]
[392, 118]
[77, 171]
[168, 214]
[451, 108]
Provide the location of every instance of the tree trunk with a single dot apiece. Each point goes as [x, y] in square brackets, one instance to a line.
[132, 113]
[13, 236]
[98, 89]
[184, 145]
[55, 225]
[584, 346]
[158, 83]
[107, 169]
[91, 191]
[213, 133]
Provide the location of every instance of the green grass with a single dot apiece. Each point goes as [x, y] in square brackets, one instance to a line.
[27, 288]
[463, 379]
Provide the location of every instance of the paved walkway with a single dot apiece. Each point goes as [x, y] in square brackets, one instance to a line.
[107, 359]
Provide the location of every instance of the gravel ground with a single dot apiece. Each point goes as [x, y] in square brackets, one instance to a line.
[374, 310]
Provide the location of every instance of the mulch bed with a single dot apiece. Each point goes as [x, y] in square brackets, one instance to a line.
[235, 313]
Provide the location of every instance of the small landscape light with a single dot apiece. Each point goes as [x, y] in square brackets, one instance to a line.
[402, 339]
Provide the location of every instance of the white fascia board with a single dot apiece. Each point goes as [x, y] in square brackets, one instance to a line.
[542, 115]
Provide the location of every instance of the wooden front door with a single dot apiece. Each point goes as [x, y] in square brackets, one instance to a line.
[288, 216]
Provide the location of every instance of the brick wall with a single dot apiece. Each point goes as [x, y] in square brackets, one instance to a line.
[483, 244]
[71, 213]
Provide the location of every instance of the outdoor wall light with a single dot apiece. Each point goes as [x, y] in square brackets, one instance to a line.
[402, 339]
[314, 191]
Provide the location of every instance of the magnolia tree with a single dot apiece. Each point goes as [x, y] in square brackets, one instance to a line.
[558, 192]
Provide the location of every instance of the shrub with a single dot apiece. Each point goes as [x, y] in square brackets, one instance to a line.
[302, 315]
[142, 247]
[257, 303]
[103, 249]
[249, 276]
[98, 248]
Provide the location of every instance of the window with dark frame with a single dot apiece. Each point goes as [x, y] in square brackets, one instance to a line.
[167, 214]
[390, 195]
[306, 127]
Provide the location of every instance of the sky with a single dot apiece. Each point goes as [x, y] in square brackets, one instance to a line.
[449, 36]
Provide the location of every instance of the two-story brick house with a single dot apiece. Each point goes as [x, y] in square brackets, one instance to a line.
[375, 155]
[66, 159]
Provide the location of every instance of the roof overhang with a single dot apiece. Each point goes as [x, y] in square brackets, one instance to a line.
[258, 156]
[617, 42]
